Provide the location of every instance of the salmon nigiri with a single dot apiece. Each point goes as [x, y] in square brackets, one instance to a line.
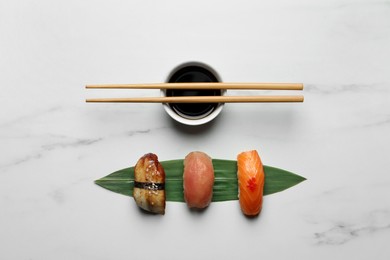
[250, 182]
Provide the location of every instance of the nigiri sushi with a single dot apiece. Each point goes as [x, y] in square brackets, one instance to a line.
[149, 184]
[198, 180]
[250, 182]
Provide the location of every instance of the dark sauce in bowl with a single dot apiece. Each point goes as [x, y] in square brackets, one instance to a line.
[193, 73]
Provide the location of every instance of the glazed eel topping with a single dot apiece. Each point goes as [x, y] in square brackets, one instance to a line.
[149, 184]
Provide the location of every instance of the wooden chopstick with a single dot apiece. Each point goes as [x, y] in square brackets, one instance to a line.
[200, 99]
[203, 85]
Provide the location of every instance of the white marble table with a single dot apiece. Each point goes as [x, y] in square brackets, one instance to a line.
[53, 145]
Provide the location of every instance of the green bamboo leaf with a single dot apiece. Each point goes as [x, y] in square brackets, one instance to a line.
[225, 184]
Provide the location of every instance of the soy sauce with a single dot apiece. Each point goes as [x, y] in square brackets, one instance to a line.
[193, 74]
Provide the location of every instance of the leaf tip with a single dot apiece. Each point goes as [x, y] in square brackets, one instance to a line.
[98, 182]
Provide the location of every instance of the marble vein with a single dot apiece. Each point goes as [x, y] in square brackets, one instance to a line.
[342, 232]
[73, 143]
[52, 142]
[384, 121]
[49, 147]
[336, 89]
[21, 119]
[132, 133]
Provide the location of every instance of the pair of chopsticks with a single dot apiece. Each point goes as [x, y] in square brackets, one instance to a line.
[202, 99]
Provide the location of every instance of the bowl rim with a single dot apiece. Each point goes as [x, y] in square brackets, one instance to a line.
[198, 121]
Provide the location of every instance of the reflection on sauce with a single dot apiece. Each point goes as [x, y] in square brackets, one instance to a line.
[193, 74]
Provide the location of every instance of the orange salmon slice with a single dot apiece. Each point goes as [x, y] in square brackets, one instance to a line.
[251, 177]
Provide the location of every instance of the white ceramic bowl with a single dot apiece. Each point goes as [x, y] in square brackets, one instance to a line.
[187, 119]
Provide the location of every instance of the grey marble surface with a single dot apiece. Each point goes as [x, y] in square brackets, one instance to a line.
[53, 145]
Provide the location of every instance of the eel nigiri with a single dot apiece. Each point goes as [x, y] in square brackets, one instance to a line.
[149, 184]
[251, 182]
[198, 180]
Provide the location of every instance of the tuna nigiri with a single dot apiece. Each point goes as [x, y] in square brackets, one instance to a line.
[198, 180]
[250, 182]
